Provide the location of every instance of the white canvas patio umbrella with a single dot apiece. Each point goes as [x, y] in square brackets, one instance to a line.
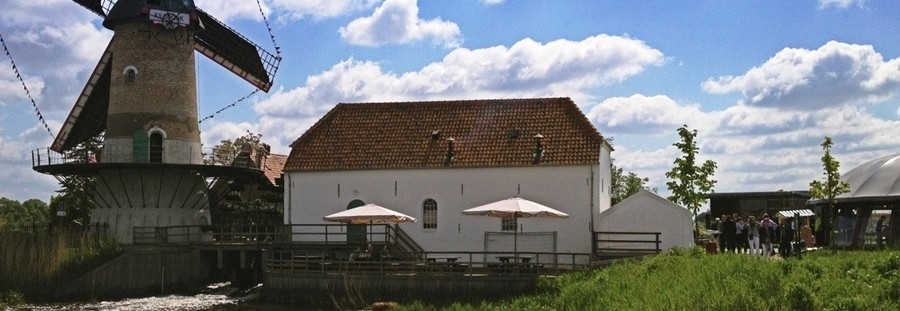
[514, 208]
[369, 214]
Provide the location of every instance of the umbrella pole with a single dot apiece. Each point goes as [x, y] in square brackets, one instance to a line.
[516, 237]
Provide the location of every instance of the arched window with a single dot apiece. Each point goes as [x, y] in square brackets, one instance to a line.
[156, 147]
[429, 214]
[130, 73]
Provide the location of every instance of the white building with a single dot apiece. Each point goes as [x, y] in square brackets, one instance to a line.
[431, 160]
[645, 211]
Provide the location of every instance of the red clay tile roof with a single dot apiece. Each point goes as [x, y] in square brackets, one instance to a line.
[273, 166]
[487, 133]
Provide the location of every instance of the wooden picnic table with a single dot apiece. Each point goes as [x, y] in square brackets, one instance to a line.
[515, 258]
[442, 258]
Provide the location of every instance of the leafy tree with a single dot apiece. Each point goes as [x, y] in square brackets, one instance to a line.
[250, 208]
[227, 150]
[830, 188]
[76, 203]
[624, 185]
[75, 194]
[689, 182]
[32, 212]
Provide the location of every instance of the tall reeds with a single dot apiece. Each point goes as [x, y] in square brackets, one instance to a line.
[32, 259]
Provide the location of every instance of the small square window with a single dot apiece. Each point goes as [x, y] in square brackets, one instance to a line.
[509, 224]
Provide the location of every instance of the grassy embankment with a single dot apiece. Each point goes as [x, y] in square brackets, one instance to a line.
[32, 261]
[692, 280]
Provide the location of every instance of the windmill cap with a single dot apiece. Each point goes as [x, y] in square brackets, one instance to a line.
[130, 11]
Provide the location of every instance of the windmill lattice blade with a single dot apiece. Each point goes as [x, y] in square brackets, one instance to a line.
[235, 52]
[100, 7]
[88, 117]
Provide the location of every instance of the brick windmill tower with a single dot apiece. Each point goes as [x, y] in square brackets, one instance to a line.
[143, 96]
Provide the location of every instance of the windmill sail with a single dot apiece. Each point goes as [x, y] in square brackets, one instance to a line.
[88, 117]
[95, 6]
[234, 52]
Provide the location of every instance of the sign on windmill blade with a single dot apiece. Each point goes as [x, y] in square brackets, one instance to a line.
[168, 19]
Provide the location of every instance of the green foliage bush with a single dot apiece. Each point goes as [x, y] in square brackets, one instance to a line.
[693, 280]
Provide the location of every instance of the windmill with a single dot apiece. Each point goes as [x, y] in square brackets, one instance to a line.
[142, 97]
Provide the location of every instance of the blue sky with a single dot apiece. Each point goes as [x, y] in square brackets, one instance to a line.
[762, 81]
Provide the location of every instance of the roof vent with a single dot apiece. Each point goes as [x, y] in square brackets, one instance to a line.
[451, 153]
[538, 149]
[513, 134]
[435, 134]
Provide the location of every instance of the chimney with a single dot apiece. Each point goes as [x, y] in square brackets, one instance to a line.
[451, 153]
[538, 149]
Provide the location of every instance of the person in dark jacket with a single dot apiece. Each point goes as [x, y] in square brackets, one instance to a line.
[740, 237]
[786, 236]
[728, 232]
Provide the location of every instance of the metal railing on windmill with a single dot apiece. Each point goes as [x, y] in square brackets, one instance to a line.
[140, 104]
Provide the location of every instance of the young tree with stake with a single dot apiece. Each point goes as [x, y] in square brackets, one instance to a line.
[689, 182]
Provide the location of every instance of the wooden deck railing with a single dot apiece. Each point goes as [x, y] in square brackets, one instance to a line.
[272, 234]
[299, 263]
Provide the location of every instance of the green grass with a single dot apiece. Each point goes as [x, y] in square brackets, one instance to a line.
[692, 280]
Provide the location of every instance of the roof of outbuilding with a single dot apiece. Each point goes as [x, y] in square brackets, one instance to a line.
[876, 179]
[486, 133]
[273, 166]
[270, 164]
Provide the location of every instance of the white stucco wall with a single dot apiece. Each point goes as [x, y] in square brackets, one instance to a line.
[581, 191]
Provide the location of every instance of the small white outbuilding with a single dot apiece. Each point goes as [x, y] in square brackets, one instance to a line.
[645, 211]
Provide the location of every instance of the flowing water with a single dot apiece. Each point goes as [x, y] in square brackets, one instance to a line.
[218, 297]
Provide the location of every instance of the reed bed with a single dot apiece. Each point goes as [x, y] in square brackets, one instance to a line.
[692, 280]
[32, 260]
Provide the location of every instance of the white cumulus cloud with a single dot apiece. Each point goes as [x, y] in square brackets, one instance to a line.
[492, 2]
[398, 22]
[226, 10]
[835, 74]
[526, 69]
[11, 89]
[841, 4]
[321, 9]
[647, 114]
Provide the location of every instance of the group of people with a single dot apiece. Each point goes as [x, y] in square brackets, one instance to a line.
[759, 237]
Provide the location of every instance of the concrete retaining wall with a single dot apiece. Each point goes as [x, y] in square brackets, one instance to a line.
[346, 288]
[142, 271]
